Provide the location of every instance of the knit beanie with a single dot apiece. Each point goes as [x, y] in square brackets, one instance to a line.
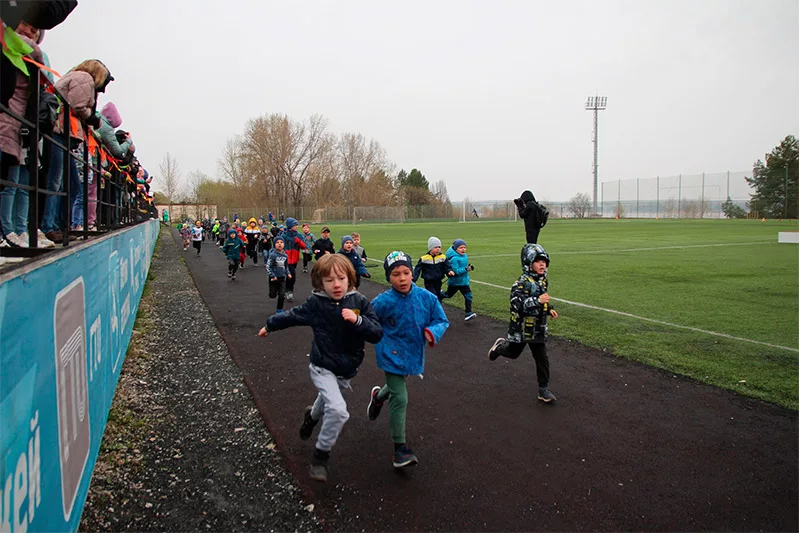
[279, 238]
[395, 259]
[433, 242]
[290, 223]
[112, 115]
[459, 242]
[347, 238]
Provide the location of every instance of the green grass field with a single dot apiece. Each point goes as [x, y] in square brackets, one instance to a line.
[729, 278]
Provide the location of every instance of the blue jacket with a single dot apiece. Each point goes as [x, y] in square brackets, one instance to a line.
[276, 264]
[459, 264]
[404, 319]
[358, 264]
[232, 248]
[338, 345]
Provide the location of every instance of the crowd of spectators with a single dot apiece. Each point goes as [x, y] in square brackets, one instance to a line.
[107, 185]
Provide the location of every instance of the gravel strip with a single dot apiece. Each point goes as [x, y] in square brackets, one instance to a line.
[185, 448]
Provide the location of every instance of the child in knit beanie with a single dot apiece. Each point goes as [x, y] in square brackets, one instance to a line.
[433, 267]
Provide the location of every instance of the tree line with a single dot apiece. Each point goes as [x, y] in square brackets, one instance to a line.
[285, 164]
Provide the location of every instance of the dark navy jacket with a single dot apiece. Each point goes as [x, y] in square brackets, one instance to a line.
[338, 345]
[358, 264]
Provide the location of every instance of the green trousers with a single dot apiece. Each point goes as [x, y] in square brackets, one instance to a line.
[397, 393]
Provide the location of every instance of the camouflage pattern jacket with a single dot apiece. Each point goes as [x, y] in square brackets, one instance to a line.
[528, 321]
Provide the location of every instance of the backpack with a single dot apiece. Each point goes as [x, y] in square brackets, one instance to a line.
[543, 215]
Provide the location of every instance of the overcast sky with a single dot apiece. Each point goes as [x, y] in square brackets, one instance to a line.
[486, 95]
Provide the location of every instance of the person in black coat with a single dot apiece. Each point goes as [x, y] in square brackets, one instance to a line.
[323, 245]
[533, 213]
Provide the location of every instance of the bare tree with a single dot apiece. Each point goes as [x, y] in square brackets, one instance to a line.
[580, 205]
[439, 191]
[358, 160]
[171, 177]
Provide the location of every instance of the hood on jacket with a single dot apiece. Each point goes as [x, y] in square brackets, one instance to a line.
[252, 221]
[527, 196]
[111, 113]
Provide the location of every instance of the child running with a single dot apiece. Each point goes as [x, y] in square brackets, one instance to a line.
[232, 250]
[324, 245]
[410, 318]
[358, 265]
[433, 267]
[308, 239]
[277, 272]
[459, 262]
[197, 236]
[342, 321]
[360, 251]
[530, 307]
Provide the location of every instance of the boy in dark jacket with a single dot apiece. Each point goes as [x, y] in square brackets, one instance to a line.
[277, 272]
[533, 213]
[358, 265]
[324, 245]
[530, 307]
[342, 321]
[232, 250]
[293, 243]
[433, 267]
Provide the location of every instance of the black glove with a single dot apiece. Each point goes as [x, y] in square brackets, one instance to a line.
[518, 201]
[470, 268]
[93, 121]
[366, 275]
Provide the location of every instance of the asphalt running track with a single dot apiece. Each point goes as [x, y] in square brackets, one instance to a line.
[626, 447]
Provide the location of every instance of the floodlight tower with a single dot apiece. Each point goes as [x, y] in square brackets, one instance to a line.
[595, 103]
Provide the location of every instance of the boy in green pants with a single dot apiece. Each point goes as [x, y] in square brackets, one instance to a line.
[410, 318]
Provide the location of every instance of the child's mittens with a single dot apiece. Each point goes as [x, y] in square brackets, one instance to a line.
[366, 275]
[429, 337]
[470, 267]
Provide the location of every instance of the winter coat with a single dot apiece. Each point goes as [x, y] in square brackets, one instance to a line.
[323, 245]
[358, 264]
[404, 319]
[293, 244]
[276, 264]
[233, 248]
[431, 268]
[106, 133]
[458, 264]
[77, 88]
[11, 128]
[308, 239]
[265, 241]
[531, 212]
[338, 345]
[528, 316]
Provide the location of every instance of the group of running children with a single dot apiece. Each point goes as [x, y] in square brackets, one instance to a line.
[400, 322]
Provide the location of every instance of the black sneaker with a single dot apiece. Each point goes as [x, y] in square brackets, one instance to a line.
[545, 395]
[305, 271]
[308, 424]
[404, 457]
[318, 469]
[374, 407]
[469, 316]
[493, 350]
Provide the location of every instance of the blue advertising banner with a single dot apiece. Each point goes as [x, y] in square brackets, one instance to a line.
[65, 324]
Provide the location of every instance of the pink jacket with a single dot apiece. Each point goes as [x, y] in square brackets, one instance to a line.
[77, 88]
[10, 138]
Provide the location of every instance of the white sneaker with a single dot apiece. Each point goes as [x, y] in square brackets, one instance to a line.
[77, 228]
[10, 260]
[44, 242]
[17, 240]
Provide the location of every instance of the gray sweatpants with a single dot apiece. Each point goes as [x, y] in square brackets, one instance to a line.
[329, 405]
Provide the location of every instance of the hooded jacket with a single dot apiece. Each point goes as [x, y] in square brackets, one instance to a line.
[404, 319]
[458, 264]
[528, 316]
[358, 264]
[323, 245]
[11, 128]
[531, 212]
[293, 243]
[110, 120]
[338, 345]
[232, 247]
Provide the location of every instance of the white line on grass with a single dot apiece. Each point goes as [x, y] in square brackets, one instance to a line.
[635, 249]
[629, 315]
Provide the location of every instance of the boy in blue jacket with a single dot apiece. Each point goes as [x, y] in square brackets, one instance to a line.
[348, 251]
[342, 319]
[410, 317]
[277, 272]
[459, 263]
[232, 250]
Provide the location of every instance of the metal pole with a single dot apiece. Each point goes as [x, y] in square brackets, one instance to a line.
[702, 195]
[786, 192]
[658, 191]
[619, 186]
[594, 166]
[679, 195]
[728, 191]
[637, 197]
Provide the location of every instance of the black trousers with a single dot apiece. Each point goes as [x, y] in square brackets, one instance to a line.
[512, 350]
[306, 260]
[278, 288]
[290, 281]
[532, 235]
[434, 287]
[463, 289]
[251, 250]
[233, 266]
[197, 245]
